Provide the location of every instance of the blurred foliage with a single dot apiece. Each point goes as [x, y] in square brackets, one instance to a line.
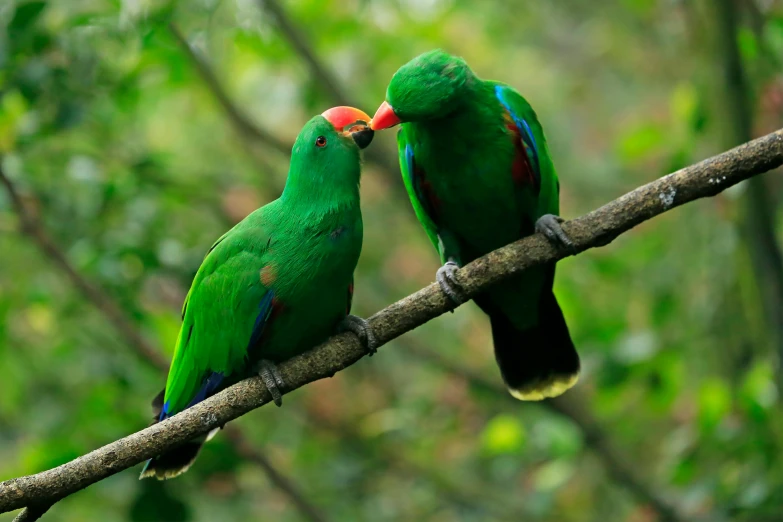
[120, 148]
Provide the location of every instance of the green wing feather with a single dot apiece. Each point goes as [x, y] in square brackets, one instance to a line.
[405, 150]
[219, 312]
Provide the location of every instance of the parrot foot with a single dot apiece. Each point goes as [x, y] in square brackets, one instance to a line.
[549, 226]
[272, 380]
[447, 279]
[361, 328]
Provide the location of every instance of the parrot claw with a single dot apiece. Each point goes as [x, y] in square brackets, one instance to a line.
[361, 328]
[272, 380]
[549, 226]
[447, 279]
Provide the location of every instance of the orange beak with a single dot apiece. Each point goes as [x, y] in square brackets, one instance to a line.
[384, 117]
[344, 116]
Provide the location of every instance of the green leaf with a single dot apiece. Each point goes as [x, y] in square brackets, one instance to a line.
[714, 403]
[641, 142]
[748, 46]
[553, 475]
[759, 392]
[503, 434]
[684, 102]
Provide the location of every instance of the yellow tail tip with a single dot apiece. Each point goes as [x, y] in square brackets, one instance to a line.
[162, 474]
[545, 389]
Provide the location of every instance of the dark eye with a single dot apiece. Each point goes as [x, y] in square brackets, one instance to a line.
[320, 141]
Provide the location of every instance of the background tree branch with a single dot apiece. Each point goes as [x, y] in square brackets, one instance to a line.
[758, 213]
[571, 407]
[597, 228]
[246, 128]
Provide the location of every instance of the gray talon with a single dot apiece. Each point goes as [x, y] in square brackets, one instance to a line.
[272, 380]
[447, 279]
[361, 328]
[549, 225]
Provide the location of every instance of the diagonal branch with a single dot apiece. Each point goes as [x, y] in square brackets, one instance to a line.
[244, 126]
[250, 131]
[473, 495]
[323, 76]
[302, 47]
[248, 452]
[247, 129]
[598, 228]
[31, 226]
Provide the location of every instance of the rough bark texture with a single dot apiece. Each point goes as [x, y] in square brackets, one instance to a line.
[597, 228]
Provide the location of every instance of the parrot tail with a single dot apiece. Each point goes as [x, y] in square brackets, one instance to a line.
[541, 361]
[176, 461]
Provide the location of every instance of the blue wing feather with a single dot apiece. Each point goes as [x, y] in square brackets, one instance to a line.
[264, 311]
[409, 171]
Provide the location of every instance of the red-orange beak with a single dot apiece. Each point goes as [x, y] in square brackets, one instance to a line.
[384, 117]
[343, 116]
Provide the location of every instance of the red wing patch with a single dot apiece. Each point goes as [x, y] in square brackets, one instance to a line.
[521, 169]
[426, 193]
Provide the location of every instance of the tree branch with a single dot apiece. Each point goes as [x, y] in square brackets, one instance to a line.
[251, 131]
[302, 47]
[244, 126]
[321, 74]
[338, 95]
[466, 493]
[32, 227]
[598, 228]
[250, 453]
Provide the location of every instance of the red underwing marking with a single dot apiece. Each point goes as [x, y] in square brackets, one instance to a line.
[427, 192]
[521, 169]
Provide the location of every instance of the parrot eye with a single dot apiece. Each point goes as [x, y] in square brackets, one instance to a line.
[320, 141]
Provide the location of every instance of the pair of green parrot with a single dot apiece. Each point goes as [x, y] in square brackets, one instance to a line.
[476, 166]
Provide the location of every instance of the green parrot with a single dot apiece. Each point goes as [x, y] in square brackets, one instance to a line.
[277, 284]
[476, 165]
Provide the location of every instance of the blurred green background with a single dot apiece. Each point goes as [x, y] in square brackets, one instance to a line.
[135, 132]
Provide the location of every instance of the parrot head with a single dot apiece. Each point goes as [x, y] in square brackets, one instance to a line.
[334, 135]
[326, 152]
[430, 86]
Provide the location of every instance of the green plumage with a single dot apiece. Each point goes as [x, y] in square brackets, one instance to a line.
[276, 284]
[476, 165]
